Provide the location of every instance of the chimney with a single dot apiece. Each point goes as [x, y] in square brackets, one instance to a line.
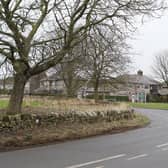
[140, 73]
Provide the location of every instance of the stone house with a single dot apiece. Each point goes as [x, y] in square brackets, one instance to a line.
[30, 87]
[34, 83]
[6, 84]
[138, 86]
[106, 87]
[51, 84]
[135, 86]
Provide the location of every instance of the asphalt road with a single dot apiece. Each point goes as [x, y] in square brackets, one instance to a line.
[142, 148]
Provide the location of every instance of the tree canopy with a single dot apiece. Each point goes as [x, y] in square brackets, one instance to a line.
[37, 34]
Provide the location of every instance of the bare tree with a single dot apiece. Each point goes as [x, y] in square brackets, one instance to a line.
[70, 70]
[36, 34]
[160, 67]
[107, 56]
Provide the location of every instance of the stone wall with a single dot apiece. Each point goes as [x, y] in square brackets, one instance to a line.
[29, 121]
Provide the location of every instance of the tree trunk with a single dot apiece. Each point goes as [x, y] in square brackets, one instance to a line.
[96, 94]
[70, 93]
[4, 84]
[70, 87]
[17, 94]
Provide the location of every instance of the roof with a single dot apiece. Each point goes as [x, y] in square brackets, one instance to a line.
[52, 77]
[57, 77]
[139, 79]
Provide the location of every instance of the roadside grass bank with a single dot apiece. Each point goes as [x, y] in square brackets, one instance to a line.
[159, 106]
[46, 121]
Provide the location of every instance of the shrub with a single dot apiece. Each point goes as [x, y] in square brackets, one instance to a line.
[111, 98]
[157, 98]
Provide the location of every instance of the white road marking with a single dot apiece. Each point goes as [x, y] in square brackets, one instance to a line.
[162, 145]
[165, 149]
[100, 167]
[138, 156]
[97, 161]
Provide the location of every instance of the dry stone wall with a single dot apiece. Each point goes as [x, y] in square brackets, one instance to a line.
[30, 121]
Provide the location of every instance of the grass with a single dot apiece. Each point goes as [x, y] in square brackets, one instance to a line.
[44, 105]
[160, 106]
[3, 103]
[27, 103]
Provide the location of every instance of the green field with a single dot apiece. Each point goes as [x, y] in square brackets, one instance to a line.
[161, 106]
[34, 103]
[4, 103]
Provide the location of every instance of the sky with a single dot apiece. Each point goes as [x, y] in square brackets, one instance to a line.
[150, 39]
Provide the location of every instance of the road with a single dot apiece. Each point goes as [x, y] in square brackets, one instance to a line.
[145, 147]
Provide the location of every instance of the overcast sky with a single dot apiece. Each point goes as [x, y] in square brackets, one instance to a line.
[151, 38]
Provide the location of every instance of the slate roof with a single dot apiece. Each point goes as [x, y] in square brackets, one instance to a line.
[140, 79]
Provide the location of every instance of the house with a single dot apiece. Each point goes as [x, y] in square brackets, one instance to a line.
[43, 83]
[51, 84]
[134, 86]
[34, 83]
[54, 85]
[6, 84]
[106, 87]
[138, 86]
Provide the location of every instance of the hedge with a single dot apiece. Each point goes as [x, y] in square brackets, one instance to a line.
[111, 98]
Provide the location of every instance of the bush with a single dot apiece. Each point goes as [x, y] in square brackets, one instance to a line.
[157, 98]
[111, 98]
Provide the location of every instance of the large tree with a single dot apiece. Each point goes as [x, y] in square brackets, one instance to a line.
[160, 67]
[107, 56]
[70, 70]
[36, 34]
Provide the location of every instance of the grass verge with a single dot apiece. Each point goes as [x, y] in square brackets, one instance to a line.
[3, 103]
[160, 106]
[63, 133]
[33, 103]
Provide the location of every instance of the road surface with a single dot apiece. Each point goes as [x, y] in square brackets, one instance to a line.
[142, 148]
